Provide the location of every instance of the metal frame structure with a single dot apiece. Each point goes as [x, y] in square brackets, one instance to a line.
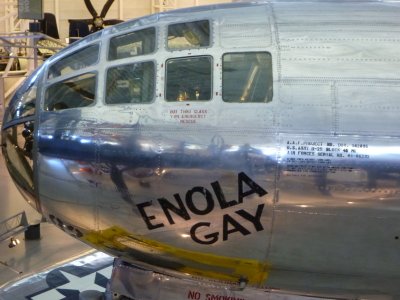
[23, 46]
[10, 17]
[13, 226]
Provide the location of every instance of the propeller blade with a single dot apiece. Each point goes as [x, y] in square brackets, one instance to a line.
[91, 9]
[106, 8]
[112, 22]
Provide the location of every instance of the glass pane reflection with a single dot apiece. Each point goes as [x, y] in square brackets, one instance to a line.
[79, 60]
[23, 102]
[136, 43]
[247, 77]
[189, 79]
[189, 35]
[74, 92]
[132, 83]
[17, 142]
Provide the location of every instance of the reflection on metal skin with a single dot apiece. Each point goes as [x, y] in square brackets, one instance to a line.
[18, 153]
[299, 177]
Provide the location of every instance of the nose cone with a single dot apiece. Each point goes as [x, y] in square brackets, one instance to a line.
[17, 138]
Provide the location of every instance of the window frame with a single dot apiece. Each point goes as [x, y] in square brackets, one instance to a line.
[34, 79]
[62, 79]
[52, 64]
[126, 64]
[211, 57]
[211, 40]
[270, 71]
[127, 33]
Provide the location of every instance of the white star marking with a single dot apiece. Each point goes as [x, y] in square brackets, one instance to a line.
[75, 283]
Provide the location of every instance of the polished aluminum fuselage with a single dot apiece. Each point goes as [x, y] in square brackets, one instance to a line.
[304, 189]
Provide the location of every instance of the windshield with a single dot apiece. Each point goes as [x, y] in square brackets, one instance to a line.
[23, 103]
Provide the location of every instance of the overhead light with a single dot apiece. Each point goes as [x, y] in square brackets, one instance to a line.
[303, 206]
[13, 242]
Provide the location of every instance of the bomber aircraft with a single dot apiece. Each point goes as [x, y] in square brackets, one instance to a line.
[224, 152]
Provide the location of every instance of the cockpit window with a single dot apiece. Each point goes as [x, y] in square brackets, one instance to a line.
[189, 79]
[28, 100]
[189, 35]
[133, 83]
[18, 150]
[74, 92]
[23, 102]
[136, 43]
[79, 60]
[247, 77]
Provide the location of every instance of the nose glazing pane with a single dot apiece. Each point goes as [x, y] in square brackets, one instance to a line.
[17, 138]
[23, 103]
[17, 145]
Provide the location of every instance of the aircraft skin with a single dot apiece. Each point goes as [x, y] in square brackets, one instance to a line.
[260, 147]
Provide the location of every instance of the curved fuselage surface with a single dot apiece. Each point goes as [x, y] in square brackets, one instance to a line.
[248, 140]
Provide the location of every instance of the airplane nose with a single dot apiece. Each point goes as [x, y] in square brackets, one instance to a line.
[17, 138]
